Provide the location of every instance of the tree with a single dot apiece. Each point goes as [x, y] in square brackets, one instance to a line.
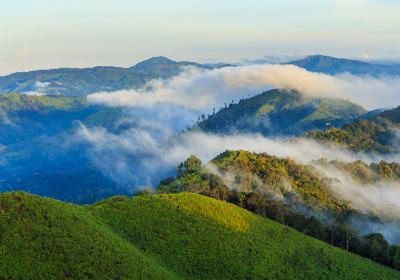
[395, 257]
[180, 170]
[377, 248]
[192, 165]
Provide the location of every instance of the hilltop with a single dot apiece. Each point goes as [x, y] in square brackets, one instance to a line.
[377, 134]
[281, 112]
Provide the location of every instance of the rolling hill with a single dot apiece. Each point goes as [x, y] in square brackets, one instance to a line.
[279, 112]
[299, 195]
[332, 66]
[182, 236]
[377, 134]
[84, 81]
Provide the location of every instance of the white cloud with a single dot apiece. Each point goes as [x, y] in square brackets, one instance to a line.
[201, 90]
[39, 89]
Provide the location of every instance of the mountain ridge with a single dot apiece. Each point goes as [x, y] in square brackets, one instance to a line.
[332, 65]
[83, 81]
[281, 112]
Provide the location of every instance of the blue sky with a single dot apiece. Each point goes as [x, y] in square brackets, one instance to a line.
[37, 34]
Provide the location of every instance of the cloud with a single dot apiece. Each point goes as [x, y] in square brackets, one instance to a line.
[41, 85]
[39, 89]
[202, 90]
[152, 147]
[142, 155]
[379, 198]
[273, 59]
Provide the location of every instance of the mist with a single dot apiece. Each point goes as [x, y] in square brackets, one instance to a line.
[203, 90]
[142, 155]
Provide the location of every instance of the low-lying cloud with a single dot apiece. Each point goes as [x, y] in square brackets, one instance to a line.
[140, 157]
[150, 151]
[202, 90]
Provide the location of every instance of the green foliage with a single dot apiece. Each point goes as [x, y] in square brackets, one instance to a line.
[14, 102]
[290, 193]
[392, 115]
[367, 174]
[46, 239]
[360, 136]
[190, 166]
[269, 175]
[185, 236]
[281, 112]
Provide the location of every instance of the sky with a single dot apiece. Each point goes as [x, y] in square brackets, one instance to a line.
[42, 34]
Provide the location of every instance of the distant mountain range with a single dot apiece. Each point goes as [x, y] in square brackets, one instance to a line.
[175, 231]
[79, 82]
[332, 66]
[84, 81]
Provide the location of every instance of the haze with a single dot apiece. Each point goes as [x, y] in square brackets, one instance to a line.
[52, 34]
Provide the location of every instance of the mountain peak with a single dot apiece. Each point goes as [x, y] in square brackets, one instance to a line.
[162, 66]
[156, 60]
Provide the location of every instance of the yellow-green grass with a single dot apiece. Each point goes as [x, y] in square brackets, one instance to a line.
[167, 236]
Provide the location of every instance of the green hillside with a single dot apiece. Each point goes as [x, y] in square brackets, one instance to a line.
[14, 102]
[392, 115]
[186, 236]
[47, 239]
[281, 112]
[293, 194]
[374, 135]
[271, 176]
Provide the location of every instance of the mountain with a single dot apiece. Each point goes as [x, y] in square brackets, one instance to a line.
[377, 134]
[38, 152]
[275, 178]
[181, 236]
[301, 196]
[281, 112]
[333, 66]
[162, 67]
[271, 176]
[84, 81]
[392, 115]
[25, 117]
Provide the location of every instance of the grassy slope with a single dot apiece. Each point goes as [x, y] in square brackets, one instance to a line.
[194, 236]
[46, 239]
